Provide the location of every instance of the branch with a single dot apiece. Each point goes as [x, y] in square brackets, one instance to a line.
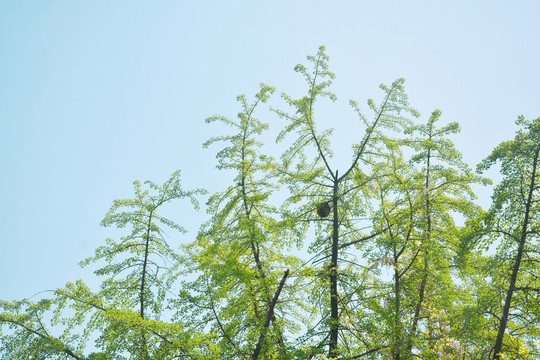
[63, 348]
[360, 240]
[410, 264]
[269, 315]
[369, 131]
[527, 289]
[368, 352]
[222, 328]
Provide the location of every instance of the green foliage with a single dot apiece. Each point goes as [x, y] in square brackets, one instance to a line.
[140, 269]
[512, 223]
[238, 256]
[301, 260]
[314, 181]
[142, 260]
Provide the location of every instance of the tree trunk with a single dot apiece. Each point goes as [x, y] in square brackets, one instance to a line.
[334, 311]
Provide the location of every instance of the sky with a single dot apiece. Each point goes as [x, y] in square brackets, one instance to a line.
[97, 94]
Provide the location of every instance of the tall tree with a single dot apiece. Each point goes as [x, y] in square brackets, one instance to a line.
[238, 256]
[418, 235]
[126, 313]
[444, 182]
[141, 266]
[514, 216]
[395, 218]
[322, 187]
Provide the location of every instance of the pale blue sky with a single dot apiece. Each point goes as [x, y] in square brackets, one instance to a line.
[96, 94]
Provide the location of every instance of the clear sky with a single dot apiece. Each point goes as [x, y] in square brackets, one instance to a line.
[96, 94]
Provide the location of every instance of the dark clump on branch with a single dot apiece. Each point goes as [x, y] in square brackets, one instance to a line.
[323, 209]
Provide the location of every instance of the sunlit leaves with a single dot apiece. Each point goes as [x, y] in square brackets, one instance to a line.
[391, 273]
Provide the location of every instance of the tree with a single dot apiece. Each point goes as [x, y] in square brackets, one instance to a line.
[418, 239]
[237, 256]
[514, 219]
[445, 182]
[317, 182]
[140, 269]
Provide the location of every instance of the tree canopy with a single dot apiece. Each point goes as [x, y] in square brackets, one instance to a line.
[389, 257]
